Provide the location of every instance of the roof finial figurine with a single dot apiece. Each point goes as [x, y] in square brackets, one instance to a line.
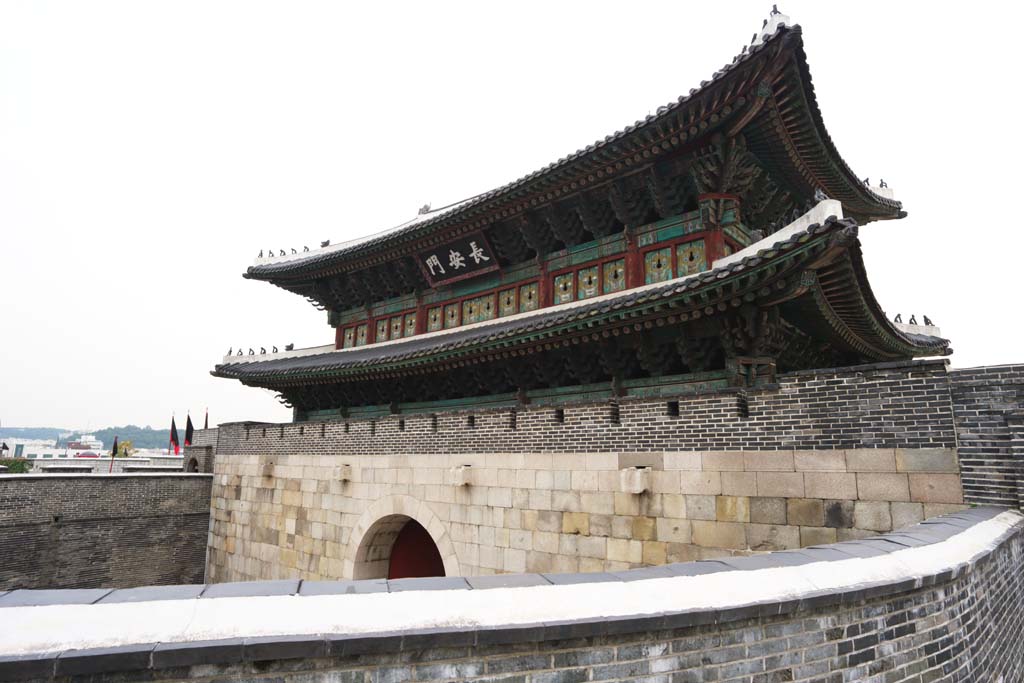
[282, 252]
[913, 319]
[261, 254]
[775, 10]
[251, 352]
[274, 349]
[305, 248]
[898, 318]
[928, 321]
[230, 349]
[425, 209]
[293, 251]
[289, 347]
[239, 350]
[325, 243]
[819, 195]
[882, 183]
[263, 351]
[867, 182]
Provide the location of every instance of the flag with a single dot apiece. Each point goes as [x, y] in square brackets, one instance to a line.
[188, 430]
[206, 420]
[174, 438]
[113, 454]
[4, 447]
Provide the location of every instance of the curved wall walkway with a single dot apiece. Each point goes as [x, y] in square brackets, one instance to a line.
[940, 601]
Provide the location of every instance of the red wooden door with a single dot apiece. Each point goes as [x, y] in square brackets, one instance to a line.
[414, 554]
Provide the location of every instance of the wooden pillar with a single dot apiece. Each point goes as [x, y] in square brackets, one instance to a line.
[634, 262]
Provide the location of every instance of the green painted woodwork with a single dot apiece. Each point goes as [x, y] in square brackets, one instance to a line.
[396, 328]
[435, 319]
[529, 297]
[648, 387]
[451, 316]
[613, 276]
[349, 339]
[361, 332]
[382, 330]
[410, 324]
[588, 282]
[691, 258]
[507, 302]
[658, 265]
[565, 286]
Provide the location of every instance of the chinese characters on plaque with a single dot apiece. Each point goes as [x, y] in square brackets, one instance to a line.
[459, 259]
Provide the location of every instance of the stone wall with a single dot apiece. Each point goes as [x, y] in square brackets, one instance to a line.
[988, 404]
[313, 516]
[950, 609]
[88, 531]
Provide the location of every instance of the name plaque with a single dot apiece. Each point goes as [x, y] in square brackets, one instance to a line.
[459, 259]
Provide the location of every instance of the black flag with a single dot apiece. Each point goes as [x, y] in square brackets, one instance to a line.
[174, 438]
[188, 430]
[113, 451]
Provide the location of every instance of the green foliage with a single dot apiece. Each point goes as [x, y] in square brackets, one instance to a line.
[137, 437]
[125, 448]
[16, 466]
[40, 433]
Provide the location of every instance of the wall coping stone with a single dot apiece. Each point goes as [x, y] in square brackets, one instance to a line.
[66, 662]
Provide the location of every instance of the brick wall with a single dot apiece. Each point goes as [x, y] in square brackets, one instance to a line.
[876, 406]
[984, 402]
[91, 531]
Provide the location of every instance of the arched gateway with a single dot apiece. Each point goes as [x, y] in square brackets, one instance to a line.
[399, 537]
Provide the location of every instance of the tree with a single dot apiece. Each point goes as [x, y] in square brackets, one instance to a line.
[125, 448]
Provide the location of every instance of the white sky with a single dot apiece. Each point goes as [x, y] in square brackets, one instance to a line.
[148, 151]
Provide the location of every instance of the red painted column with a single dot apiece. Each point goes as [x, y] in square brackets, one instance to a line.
[634, 262]
[339, 336]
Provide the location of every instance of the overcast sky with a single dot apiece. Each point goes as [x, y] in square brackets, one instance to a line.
[148, 151]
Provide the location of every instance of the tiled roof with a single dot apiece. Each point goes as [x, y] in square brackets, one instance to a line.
[268, 269]
[478, 334]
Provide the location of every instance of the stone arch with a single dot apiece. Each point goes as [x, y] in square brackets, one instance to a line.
[367, 553]
[193, 465]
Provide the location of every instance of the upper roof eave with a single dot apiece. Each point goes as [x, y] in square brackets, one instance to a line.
[317, 261]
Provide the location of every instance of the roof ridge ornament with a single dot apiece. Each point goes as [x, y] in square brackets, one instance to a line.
[773, 23]
[425, 209]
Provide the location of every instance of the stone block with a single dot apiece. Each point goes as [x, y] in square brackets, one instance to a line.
[634, 480]
[936, 509]
[739, 483]
[548, 520]
[643, 528]
[673, 505]
[700, 483]
[906, 514]
[719, 534]
[627, 503]
[834, 485]
[685, 460]
[625, 550]
[768, 510]
[673, 530]
[927, 460]
[936, 488]
[872, 515]
[765, 537]
[883, 486]
[722, 461]
[575, 523]
[839, 514]
[819, 461]
[870, 460]
[768, 461]
[654, 552]
[854, 534]
[810, 535]
[809, 512]
[780, 484]
[600, 525]
[701, 507]
[732, 509]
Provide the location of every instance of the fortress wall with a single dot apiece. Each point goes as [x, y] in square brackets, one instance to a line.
[988, 404]
[92, 531]
[942, 601]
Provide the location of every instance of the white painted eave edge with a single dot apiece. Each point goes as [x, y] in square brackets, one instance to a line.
[64, 627]
[818, 214]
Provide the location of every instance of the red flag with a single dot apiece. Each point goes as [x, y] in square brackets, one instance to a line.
[188, 430]
[174, 438]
